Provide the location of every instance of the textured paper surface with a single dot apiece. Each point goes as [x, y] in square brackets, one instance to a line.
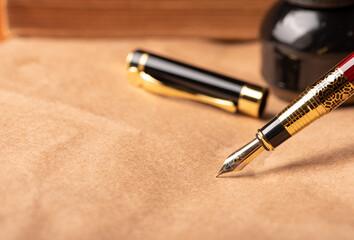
[84, 155]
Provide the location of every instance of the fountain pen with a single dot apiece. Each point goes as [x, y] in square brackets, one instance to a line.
[322, 97]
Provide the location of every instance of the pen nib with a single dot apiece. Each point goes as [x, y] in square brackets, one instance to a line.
[222, 170]
[239, 159]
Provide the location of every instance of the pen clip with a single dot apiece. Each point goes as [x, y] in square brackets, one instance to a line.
[141, 79]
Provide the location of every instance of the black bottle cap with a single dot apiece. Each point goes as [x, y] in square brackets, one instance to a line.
[322, 3]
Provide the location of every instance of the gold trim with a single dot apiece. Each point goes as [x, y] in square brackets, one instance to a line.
[142, 61]
[251, 99]
[133, 76]
[128, 60]
[265, 141]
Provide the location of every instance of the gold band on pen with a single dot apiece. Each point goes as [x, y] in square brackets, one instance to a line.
[250, 100]
[264, 141]
[128, 60]
[142, 61]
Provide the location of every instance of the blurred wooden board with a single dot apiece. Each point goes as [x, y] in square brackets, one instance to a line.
[224, 19]
[2, 19]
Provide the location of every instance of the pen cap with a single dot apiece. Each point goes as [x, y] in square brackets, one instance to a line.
[165, 76]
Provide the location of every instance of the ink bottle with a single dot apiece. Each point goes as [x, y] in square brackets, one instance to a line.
[302, 39]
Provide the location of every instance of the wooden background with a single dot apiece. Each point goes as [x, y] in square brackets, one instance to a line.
[2, 18]
[222, 19]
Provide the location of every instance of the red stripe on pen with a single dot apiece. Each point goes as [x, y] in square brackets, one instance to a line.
[347, 67]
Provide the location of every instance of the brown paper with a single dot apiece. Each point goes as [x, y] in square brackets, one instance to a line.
[85, 155]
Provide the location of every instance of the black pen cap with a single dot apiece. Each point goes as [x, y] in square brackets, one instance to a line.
[172, 78]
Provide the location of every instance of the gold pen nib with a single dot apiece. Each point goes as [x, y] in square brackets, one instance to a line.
[239, 159]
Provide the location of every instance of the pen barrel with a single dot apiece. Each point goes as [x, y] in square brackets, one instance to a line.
[199, 84]
[319, 99]
[190, 78]
[322, 97]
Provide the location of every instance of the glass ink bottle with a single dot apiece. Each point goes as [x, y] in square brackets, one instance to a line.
[301, 39]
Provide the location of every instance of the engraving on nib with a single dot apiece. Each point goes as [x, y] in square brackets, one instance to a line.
[239, 159]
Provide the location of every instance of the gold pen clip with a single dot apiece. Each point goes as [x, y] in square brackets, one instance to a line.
[139, 78]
